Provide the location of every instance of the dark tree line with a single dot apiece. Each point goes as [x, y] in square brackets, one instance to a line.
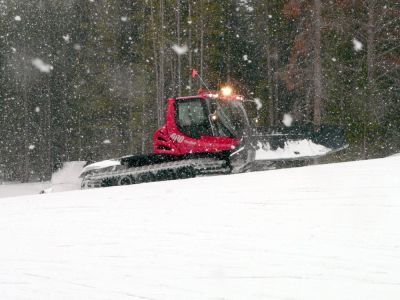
[88, 79]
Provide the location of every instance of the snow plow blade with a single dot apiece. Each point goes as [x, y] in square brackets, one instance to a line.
[300, 142]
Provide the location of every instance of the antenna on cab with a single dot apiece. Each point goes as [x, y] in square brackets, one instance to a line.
[196, 74]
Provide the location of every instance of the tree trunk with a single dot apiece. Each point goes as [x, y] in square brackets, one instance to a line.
[317, 63]
[190, 46]
[156, 69]
[370, 72]
[26, 172]
[178, 33]
[275, 91]
[269, 70]
[162, 61]
[201, 38]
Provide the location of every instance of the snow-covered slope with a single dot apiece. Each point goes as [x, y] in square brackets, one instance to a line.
[12, 189]
[65, 179]
[319, 232]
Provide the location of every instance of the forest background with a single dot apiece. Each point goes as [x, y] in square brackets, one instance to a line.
[88, 79]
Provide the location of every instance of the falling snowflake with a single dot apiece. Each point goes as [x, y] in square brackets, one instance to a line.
[107, 142]
[31, 147]
[180, 50]
[41, 65]
[245, 57]
[66, 38]
[287, 120]
[37, 109]
[357, 45]
[124, 19]
[17, 18]
[245, 4]
[258, 103]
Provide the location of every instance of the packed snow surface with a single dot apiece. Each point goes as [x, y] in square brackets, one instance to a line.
[292, 149]
[319, 232]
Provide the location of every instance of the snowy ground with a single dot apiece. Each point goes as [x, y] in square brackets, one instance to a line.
[12, 189]
[65, 179]
[319, 232]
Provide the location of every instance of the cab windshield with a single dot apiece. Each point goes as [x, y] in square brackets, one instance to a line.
[228, 118]
[211, 117]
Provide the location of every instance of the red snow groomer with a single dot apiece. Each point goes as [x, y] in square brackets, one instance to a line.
[209, 133]
[207, 123]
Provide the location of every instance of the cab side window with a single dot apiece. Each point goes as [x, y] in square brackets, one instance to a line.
[192, 118]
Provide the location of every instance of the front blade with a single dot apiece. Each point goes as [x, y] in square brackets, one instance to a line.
[297, 142]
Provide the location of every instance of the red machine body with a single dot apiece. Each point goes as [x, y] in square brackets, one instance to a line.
[169, 139]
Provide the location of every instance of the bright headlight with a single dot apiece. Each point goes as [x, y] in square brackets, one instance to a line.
[226, 91]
